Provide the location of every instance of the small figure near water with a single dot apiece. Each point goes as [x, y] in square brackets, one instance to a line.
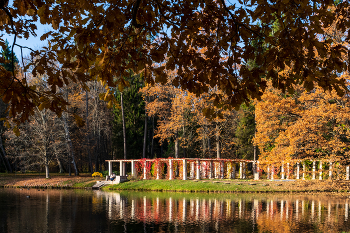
[112, 177]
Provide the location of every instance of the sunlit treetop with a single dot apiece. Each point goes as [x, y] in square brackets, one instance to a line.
[209, 43]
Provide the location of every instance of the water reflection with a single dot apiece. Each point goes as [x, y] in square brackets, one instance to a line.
[227, 213]
[87, 211]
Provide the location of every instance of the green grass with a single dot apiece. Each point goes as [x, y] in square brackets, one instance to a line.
[87, 184]
[193, 186]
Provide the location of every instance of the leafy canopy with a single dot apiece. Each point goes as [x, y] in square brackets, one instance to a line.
[207, 42]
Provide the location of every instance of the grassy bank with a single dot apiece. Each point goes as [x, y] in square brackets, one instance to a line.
[232, 186]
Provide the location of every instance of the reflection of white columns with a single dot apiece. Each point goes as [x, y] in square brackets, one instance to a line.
[184, 210]
[256, 208]
[133, 169]
[302, 208]
[312, 209]
[287, 177]
[282, 171]
[133, 209]
[298, 171]
[272, 210]
[228, 208]
[267, 209]
[144, 208]
[170, 169]
[197, 209]
[192, 207]
[329, 211]
[282, 209]
[110, 168]
[157, 207]
[313, 169]
[287, 209]
[330, 170]
[240, 208]
[170, 209]
[320, 168]
[346, 215]
[319, 211]
[297, 209]
[184, 169]
[198, 171]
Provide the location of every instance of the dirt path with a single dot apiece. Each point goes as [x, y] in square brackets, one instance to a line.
[35, 181]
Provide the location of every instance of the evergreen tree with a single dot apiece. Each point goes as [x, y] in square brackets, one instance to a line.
[6, 54]
[134, 113]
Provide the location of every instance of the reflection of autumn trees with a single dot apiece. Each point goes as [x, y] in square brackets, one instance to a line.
[272, 213]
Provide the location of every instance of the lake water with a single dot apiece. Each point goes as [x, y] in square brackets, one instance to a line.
[96, 211]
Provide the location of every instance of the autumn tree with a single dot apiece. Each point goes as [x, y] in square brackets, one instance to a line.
[95, 44]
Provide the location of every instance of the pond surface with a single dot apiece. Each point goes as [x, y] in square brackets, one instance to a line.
[23, 210]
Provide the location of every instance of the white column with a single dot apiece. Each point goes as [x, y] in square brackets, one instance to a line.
[211, 170]
[243, 174]
[110, 168]
[314, 170]
[240, 170]
[192, 170]
[330, 170]
[145, 170]
[233, 171]
[320, 168]
[298, 170]
[347, 172]
[222, 172]
[184, 169]
[287, 176]
[272, 172]
[256, 176]
[268, 172]
[170, 169]
[282, 171]
[303, 170]
[198, 171]
[157, 168]
[133, 169]
[121, 168]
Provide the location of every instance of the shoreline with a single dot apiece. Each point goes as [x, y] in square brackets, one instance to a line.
[186, 186]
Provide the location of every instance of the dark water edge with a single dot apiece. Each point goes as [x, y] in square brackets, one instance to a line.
[49, 210]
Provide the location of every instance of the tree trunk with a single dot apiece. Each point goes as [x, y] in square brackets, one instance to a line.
[176, 146]
[152, 137]
[144, 138]
[8, 166]
[47, 173]
[123, 119]
[218, 155]
[68, 140]
[58, 159]
[87, 132]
